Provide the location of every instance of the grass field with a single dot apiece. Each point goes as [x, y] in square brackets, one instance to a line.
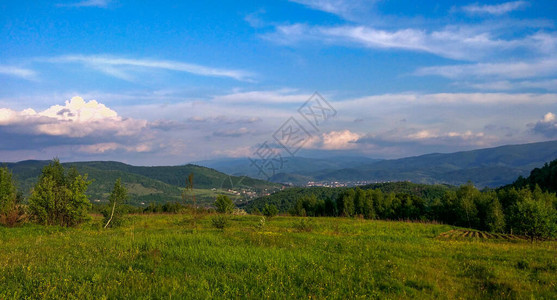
[163, 256]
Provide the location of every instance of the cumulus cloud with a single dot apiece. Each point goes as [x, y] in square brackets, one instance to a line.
[547, 126]
[76, 122]
[333, 140]
[77, 118]
[336, 140]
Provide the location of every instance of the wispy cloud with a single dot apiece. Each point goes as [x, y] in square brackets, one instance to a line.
[87, 3]
[543, 67]
[343, 8]
[120, 67]
[497, 9]
[22, 73]
[456, 42]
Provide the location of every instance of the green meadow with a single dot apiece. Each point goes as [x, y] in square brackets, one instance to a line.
[167, 256]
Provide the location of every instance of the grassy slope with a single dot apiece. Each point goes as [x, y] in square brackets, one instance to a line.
[159, 256]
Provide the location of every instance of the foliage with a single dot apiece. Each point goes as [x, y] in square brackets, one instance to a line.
[535, 215]
[224, 204]
[59, 197]
[11, 212]
[270, 210]
[544, 177]
[145, 184]
[220, 221]
[304, 225]
[114, 210]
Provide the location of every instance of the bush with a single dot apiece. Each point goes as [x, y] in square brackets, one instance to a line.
[220, 222]
[270, 210]
[304, 225]
[59, 197]
[224, 204]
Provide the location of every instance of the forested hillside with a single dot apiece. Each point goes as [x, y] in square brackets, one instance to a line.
[145, 184]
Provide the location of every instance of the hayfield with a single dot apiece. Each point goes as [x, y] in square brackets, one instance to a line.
[166, 256]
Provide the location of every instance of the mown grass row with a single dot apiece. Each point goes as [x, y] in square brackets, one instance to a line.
[164, 256]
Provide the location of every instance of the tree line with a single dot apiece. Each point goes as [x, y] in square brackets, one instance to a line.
[525, 211]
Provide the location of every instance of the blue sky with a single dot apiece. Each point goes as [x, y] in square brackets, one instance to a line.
[154, 83]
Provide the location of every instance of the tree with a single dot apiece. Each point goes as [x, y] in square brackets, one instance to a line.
[535, 216]
[270, 210]
[495, 219]
[59, 197]
[10, 211]
[114, 211]
[345, 203]
[224, 204]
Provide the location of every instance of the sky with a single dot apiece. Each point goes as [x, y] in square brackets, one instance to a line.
[171, 82]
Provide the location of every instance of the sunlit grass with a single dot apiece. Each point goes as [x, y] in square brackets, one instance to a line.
[163, 256]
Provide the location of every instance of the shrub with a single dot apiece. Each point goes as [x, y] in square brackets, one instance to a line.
[220, 222]
[304, 225]
[224, 204]
[270, 210]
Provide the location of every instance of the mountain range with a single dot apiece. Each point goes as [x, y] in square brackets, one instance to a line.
[489, 167]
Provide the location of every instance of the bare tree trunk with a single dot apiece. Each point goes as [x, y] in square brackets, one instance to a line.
[111, 215]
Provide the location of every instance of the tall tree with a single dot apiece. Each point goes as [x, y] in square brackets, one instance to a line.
[59, 197]
[10, 211]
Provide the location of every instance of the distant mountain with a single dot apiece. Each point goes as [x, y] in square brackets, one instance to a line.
[490, 167]
[145, 184]
[301, 167]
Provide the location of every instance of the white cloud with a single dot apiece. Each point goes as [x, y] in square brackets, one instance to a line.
[507, 85]
[100, 148]
[120, 67]
[515, 70]
[18, 72]
[336, 140]
[456, 42]
[547, 126]
[76, 119]
[88, 3]
[281, 96]
[342, 8]
[497, 9]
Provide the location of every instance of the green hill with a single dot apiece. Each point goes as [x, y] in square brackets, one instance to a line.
[148, 184]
